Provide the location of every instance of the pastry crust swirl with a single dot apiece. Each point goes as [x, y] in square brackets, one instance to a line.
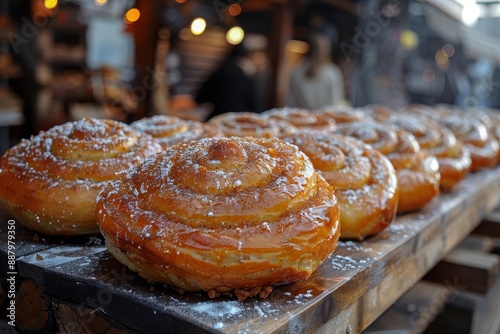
[365, 181]
[170, 130]
[221, 215]
[51, 181]
[417, 171]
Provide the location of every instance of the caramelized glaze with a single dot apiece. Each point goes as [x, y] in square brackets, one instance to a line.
[170, 130]
[221, 215]
[453, 157]
[51, 181]
[417, 171]
[364, 179]
[249, 124]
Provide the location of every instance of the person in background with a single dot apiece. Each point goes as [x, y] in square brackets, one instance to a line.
[317, 81]
[231, 88]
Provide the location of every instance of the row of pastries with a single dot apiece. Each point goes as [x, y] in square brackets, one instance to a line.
[245, 201]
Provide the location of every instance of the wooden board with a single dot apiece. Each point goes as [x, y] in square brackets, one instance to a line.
[356, 284]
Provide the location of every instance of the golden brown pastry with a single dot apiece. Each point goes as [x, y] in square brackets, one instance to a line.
[223, 215]
[50, 182]
[453, 158]
[170, 130]
[482, 145]
[249, 124]
[377, 112]
[342, 114]
[302, 119]
[364, 179]
[417, 171]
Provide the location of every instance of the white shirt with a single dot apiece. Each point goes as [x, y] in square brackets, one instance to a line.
[324, 89]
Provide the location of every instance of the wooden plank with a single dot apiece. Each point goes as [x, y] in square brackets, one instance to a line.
[357, 283]
[490, 226]
[478, 243]
[414, 311]
[475, 271]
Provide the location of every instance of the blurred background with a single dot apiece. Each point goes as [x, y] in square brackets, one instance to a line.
[62, 60]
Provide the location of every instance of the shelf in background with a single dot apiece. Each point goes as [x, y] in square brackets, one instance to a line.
[354, 286]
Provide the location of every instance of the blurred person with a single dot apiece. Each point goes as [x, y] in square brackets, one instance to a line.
[317, 81]
[231, 88]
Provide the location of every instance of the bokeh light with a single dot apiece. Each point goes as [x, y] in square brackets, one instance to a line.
[235, 35]
[50, 4]
[448, 50]
[198, 26]
[409, 39]
[132, 15]
[100, 2]
[234, 9]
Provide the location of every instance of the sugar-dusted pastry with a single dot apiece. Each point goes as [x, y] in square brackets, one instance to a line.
[249, 124]
[342, 114]
[482, 145]
[222, 215]
[417, 171]
[302, 119]
[50, 182]
[364, 179]
[170, 130]
[453, 157]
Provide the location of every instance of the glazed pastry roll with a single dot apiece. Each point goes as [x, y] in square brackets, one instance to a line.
[249, 124]
[417, 171]
[50, 182]
[364, 179]
[222, 215]
[453, 157]
[342, 114]
[302, 119]
[170, 130]
[482, 145]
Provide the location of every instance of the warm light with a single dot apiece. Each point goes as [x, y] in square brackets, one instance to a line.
[50, 4]
[441, 58]
[234, 9]
[297, 46]
[180, 1]
[409, 39]
[185, 34]
[100, 2]
[448, 50]
[132, 15]
[470, 13]
[198, 26]
[235, 35]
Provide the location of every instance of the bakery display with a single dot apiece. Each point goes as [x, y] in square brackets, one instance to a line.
[244, 124]
[222, 215]
[170, 130]
[417, 171]
[50, 182]
[304, 120]
[364, 179]
[453, 158]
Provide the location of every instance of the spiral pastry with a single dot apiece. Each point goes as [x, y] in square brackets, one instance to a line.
[50, 182]
[377, 112]
[417, 171]
[364, 179]
[483, 146]
[170, 130]
[223, 215]
[249, 124]
[302, 119]
[342, 115]
[453, 158]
